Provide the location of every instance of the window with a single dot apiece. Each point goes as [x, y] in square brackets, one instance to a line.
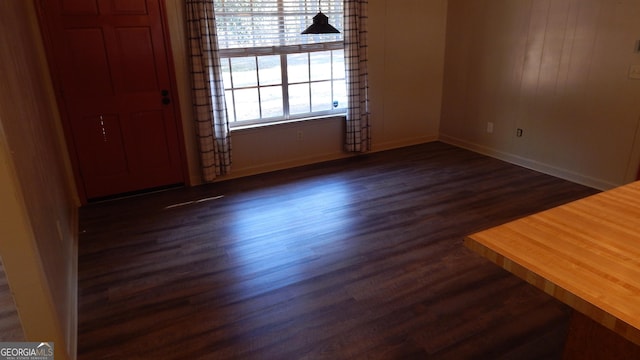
[270, 71]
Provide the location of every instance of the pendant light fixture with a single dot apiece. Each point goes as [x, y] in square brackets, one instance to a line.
[320, 24]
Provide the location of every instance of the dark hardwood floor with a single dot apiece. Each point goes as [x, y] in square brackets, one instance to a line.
[356, 258]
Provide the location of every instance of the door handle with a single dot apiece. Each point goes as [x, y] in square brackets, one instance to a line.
[166, 100]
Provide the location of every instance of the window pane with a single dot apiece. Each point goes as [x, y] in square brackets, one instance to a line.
[338, 64]
[299, 99]
[247, 104]
[244, 72]
[298, 67]
[271, 98]
[320, 65]
[269, 70]
[226, 73]
[321, 96]
[339, 94]
[228, 97]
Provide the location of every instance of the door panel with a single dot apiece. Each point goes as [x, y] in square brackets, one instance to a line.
[128, 7]
[154, 154]
[135, 44]
[79, 7]
[86, 70]
[115, 87]
[103, 147]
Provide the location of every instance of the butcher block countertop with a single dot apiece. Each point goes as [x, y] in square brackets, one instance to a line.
[585, 253]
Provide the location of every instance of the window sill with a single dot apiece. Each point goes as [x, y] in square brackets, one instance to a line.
[234, 128]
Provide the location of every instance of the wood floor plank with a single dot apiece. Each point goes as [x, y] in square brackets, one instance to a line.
[356, 258]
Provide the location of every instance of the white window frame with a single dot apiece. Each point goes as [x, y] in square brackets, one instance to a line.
[281, 51]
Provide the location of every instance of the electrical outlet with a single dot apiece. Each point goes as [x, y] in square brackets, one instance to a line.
[490, 127]
[519, 132]
[300, 135]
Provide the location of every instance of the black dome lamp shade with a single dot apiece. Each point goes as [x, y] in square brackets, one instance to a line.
[320, 24]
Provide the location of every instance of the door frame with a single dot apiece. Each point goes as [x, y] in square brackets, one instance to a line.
[45, 31]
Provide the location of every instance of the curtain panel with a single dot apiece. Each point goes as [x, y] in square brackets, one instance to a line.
[210, 113]
[355, 51]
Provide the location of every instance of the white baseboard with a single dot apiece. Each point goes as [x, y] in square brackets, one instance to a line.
[530, 164]
[275, 166]
[291, 163]
[377, 147]
[390, 145]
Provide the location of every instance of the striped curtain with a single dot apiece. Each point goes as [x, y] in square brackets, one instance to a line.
[355, 39]
[210, 111]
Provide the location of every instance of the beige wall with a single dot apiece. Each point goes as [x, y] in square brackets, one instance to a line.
[406, 54]
[38, 213]
[558, 69]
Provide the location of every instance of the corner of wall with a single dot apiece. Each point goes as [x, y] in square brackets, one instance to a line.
[23, 268]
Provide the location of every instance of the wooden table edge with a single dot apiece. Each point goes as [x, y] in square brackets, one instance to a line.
[595, 313]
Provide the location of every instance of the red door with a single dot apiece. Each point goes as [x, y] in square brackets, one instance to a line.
[111, 69]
